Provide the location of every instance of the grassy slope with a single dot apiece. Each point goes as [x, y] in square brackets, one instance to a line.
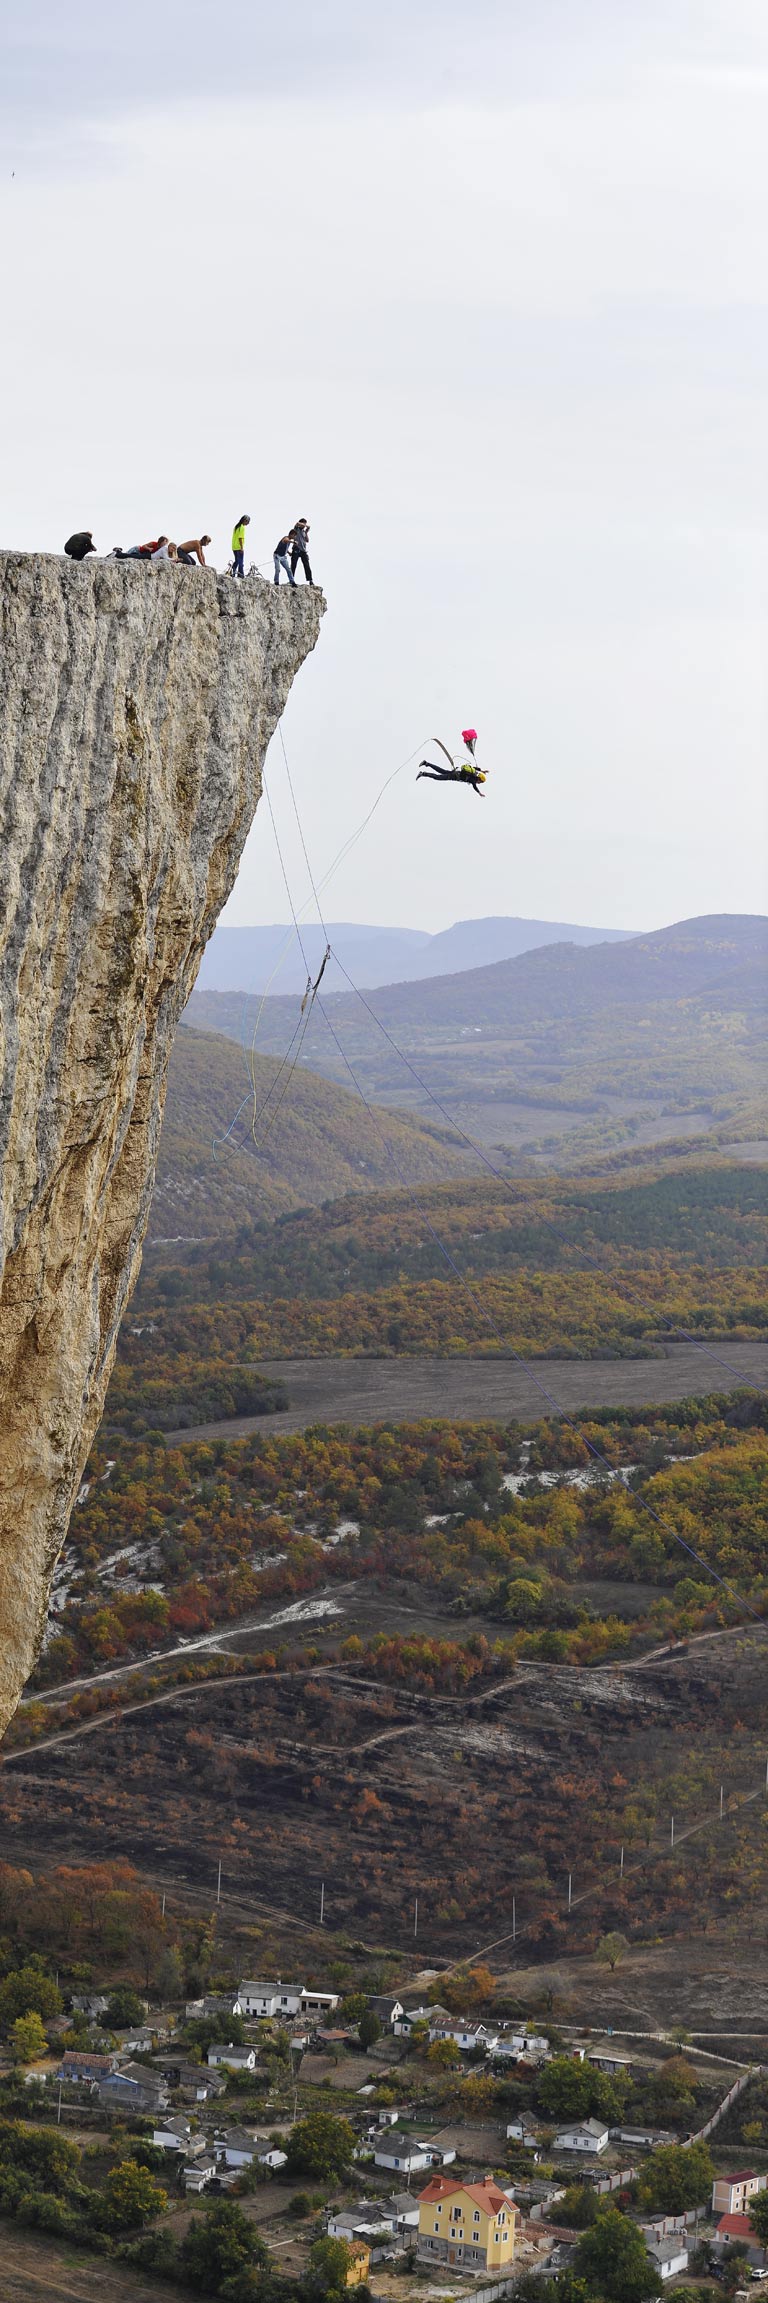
[322, 1144]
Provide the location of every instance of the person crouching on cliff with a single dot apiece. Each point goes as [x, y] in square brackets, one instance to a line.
[281, 559]
[193, 551]
[238, 542]
[77, 547]
[300, 549]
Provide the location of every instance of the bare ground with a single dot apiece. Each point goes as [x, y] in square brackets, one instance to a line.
[365, 1391]
[40, 2270]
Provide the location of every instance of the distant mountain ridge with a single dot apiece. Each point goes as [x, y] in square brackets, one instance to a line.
[244, 959]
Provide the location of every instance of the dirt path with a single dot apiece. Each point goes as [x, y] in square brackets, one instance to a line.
[365, 1391]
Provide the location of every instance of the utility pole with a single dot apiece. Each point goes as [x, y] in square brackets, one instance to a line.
[721, 1802]
[163, 1909]
[416, 1916]
[514, 1921]
[570, 1889]
[672, 1832]
[58, 2113]
[621, 1865]
[322, 1903]
[218, 1884]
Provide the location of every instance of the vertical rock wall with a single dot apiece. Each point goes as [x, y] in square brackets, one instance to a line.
[136, 705]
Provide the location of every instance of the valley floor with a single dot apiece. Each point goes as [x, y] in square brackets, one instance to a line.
[368, 1391]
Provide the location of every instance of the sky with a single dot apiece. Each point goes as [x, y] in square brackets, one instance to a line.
[481, 287]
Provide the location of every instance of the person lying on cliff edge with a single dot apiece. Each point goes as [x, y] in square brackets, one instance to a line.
[193, 551]
[78, 547]
[140, 551]
[300, 549]
[164, 551]
[281, 559]
[238, 542]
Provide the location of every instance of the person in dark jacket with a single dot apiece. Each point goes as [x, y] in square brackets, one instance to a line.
[300, 549]
[281, 559]
[78, 547]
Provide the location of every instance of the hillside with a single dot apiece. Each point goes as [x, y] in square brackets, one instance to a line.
[242, 959]
[315, 1144]
[563, 1054]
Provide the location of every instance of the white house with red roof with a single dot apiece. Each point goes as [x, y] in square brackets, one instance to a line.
[470, 2226]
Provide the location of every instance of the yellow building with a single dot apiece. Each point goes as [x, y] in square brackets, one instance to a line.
[469, 2224]
[359, 2263]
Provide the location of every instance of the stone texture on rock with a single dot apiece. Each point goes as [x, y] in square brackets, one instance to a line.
[136, 705]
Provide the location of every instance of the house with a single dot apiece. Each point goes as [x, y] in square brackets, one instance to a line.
[405, 2154]
[367, 2225]
[174, 2134]
[466, 2035]
[389, 2011]
[236, 2148]
[520, 2131]
[403, 2212]
[133, 2089]
[522, 2046]
[86, 2069]
[233, 2058]
[585, 2135]
[642, 2138]
[471, 2225]
[731, 2193]
[200, 2172]
[319, 2002]
[737, 2230]
[359, 2263]
[270, 1999]
[669, 2257]
[404, 2024]
[90, 2003]
[192, 2079]
[273, 2158]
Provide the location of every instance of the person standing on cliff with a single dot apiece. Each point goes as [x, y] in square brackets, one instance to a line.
[300, 549]
[238, 542]
[281, 560]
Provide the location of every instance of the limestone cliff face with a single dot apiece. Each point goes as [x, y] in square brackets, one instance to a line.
[136, 705]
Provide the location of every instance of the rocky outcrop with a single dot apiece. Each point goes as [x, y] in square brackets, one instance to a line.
[136, 705]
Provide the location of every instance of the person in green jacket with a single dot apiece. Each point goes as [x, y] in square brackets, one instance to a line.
[238, 542]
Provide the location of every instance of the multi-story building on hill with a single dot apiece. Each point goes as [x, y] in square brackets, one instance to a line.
[468, 2225]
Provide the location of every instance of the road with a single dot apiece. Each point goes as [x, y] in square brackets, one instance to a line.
[365, 1391]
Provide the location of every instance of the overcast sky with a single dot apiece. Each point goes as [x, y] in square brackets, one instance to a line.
[483, 289]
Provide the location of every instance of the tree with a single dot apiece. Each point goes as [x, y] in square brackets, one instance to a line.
[26, 1991]
[169, 1980]
[369, 2028]
[131, 2197]
[220, 2245]
[678, 2176]
[758, 2215]
[320, 2145]
[124, 2008]
[611, 1949]
[28, 2040]
[445, 2054]
[611, 2257]
[570, 2090]
[329, 2263]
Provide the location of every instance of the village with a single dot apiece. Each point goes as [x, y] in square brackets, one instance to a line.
[438, 2147]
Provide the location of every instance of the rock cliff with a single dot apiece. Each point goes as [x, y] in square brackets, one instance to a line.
[136, 705]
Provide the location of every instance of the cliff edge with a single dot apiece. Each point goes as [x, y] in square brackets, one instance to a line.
[136, 705]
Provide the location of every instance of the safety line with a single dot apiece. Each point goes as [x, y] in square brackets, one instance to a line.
[505, 1346]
